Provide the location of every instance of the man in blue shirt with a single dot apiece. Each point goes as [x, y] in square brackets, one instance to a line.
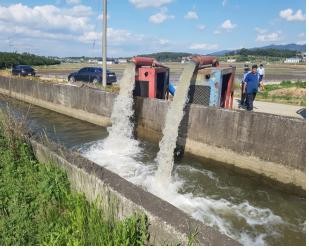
[252, 85]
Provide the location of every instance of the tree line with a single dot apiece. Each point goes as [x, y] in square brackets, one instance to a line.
[270, 52]
[167, 56]
[7, 60]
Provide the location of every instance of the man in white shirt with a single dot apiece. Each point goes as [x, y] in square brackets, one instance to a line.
[261, 72]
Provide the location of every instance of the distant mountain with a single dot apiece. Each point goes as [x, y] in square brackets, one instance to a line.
[221, 53]
[290, 47]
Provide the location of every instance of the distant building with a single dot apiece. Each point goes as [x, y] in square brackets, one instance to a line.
[231, 60]
[293, 60]
[92, 61]
[108, 62]
[122, 61]
[185, 60]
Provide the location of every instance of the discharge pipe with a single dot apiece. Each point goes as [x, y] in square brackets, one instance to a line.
[146, 61]
[203, 60]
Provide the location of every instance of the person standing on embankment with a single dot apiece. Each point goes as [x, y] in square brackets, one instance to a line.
[242, 85]
[252, 81]
[261, 72]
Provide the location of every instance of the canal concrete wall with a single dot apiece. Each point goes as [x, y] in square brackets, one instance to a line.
[168, 225]
[270, 145]
[266, 144]
[83, 103]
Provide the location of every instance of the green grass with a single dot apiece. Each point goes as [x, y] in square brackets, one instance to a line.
[285, 84]
[37, 206]
[287, 99]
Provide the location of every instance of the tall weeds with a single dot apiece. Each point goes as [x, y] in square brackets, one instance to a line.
[37, 206]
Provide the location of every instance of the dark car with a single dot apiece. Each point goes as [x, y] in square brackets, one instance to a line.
[23, 70]
[93, 75]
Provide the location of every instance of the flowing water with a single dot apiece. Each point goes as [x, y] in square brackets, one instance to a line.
[122, 127]
[175, 113]
[120, 144]
[237, 205]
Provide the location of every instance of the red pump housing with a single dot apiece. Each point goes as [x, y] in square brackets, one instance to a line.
[151, 79]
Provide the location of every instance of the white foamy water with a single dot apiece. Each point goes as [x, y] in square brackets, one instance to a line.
[122, 127]
[175, 113]
[221, 214]
[120, 153]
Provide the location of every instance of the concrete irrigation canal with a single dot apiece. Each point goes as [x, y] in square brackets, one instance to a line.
[241, 179]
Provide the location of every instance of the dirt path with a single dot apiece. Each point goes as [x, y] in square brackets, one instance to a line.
[278, 109]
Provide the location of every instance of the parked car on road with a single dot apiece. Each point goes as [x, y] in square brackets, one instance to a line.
[92, 75]
[23, 70]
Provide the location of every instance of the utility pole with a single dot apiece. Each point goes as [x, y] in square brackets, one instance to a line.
[104, 43]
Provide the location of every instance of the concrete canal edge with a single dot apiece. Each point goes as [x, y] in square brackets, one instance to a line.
[168, 225]
[265, 144]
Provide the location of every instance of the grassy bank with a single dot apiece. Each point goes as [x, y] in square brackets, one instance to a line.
[37, 206]
[286, 92]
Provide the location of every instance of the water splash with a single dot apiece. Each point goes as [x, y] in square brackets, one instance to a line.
[175, 113]
[120, 139]
[244, 222]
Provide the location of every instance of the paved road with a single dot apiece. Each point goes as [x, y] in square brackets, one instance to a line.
[278, 109]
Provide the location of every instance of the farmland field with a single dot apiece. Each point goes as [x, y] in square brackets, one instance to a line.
[274, 72]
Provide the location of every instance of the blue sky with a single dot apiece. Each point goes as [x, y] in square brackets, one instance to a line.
[72, 27]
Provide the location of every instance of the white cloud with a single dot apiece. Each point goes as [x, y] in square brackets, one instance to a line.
[164, 41]
[149, 3]
[203, 46]
[269, 37]
[39, 25]
[81, 10]
[73, 2]
[228, 25]
[66, 31]
[302, 37]
[264, 36]
[224, 3]
[201, 27]
[23, 31]
[260, 30]
[301, 42]
[47, 17]
[123, 42]
[118, 37]
[191, 15]
[115, 36]
[90, 36]
[160, 17]
[290, 17]
[100, 17]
